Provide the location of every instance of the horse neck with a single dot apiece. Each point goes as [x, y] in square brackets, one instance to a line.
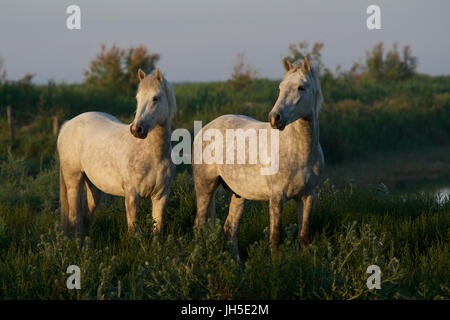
[158, 141]
[304, 135]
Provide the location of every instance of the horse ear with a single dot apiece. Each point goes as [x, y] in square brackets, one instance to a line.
[159, 76]
[287, 65]
[306, 65]
[141, 74]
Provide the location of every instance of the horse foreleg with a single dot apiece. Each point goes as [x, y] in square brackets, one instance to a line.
[308, 202]
[231, 226]
[158, 207]
[131, 203]
[275, 208]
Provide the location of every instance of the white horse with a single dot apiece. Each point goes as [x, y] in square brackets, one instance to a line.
[300, 156]
[98, 153]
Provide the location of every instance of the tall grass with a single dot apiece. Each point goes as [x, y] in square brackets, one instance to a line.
[407, 237]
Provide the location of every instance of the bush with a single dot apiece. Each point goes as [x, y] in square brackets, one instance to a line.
[116, 69]
[392, 66]
[242, 75]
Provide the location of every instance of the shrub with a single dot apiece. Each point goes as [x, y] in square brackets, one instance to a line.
[392, 66]
[117, 69]
[242, 75]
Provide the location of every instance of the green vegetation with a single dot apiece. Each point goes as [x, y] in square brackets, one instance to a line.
[116, 69]
[407, 236]
[359, 118]
[353, 228]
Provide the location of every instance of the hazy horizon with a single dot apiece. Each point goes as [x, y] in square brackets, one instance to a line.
[198, 40]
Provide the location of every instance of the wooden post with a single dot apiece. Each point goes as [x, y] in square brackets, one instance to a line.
[10, 122]
[55, 125]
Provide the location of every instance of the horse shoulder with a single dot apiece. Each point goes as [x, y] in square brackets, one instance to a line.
[299, 174]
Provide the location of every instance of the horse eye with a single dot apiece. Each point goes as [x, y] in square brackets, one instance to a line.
[155, 99]
[301, 88]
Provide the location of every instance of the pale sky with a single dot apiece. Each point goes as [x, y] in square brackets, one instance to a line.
[198, 39]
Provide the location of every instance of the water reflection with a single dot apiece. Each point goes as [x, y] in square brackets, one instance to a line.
[442, 194]
[439, 189]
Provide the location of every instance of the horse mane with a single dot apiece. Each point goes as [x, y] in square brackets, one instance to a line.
[319, 95]
[170, 94]
[297, 66]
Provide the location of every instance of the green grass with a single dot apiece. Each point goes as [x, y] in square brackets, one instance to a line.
[407, 237]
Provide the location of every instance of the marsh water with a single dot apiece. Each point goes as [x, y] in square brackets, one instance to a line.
[439, 188]
[442, 194]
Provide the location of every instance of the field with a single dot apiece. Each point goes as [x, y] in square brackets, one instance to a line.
[355, 222]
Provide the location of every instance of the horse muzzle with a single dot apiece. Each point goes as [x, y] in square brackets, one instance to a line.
[276, 120]
[138, 130]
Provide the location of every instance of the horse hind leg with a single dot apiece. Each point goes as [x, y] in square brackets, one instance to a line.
[70, 201]
[92, 196]
[64, 203]
[231, 227]
[212, 209]
[205, 190]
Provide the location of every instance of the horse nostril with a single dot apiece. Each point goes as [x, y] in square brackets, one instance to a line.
[278, 117]
[140, 130]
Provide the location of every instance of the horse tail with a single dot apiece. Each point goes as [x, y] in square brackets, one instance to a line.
[63, 202]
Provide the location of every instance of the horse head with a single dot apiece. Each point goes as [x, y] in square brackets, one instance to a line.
[155, 104]
[300, 94]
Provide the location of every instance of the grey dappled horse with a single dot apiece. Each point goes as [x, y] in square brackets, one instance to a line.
[301, 161]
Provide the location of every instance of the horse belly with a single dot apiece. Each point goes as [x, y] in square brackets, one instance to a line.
[246, 181]
[102, 171]
[106, 180]
[108, 185]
